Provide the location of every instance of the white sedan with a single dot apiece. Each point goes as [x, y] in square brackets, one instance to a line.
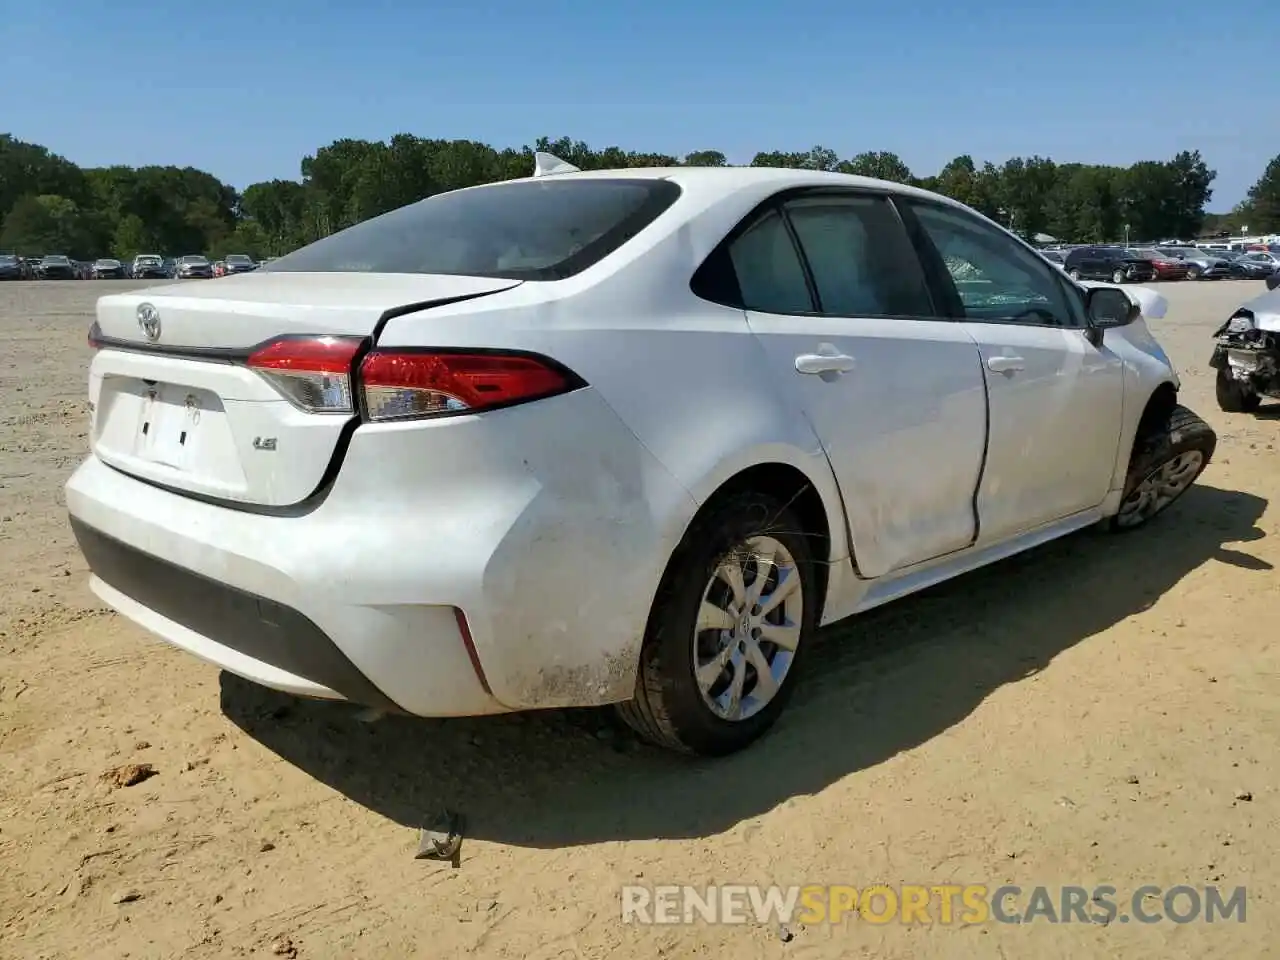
[620, 437]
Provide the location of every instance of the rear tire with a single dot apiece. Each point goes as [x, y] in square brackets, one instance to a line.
[1234, 396]
[1118, 277]
[672, 708]
[1164, 464]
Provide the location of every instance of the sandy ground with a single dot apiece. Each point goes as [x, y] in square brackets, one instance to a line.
[1084, 714]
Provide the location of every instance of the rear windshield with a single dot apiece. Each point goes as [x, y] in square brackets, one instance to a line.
[525, 230]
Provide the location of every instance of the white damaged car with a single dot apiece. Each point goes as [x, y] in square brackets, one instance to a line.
[620, 437]
[1247, 355]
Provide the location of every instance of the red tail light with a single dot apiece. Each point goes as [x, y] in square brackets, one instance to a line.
[407, 384]
[313, 373]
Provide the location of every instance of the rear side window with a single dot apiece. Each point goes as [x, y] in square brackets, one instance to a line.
[767, 267]
[525, 230]
[860, 257]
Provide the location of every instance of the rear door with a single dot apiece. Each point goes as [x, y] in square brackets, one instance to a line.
[1056, 400]
[837, 299]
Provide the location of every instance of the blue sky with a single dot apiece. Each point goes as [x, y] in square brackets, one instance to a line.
[244, 90]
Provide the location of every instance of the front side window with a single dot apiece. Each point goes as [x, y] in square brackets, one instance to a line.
[860, 257]
[524, 230]
[998, 281]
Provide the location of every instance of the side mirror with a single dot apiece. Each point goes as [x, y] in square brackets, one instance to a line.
[1110, 307]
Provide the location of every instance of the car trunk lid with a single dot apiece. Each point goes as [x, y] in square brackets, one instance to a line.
[176, 403]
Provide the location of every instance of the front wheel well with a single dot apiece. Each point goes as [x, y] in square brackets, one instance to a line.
[793, 489]
[1160, 406]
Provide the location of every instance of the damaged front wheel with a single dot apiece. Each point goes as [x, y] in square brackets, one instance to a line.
[1164, 465]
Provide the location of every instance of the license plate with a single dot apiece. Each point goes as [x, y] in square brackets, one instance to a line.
[169, 431]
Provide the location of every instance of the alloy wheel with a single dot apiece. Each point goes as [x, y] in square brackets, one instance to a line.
[748, 628]
[1160, 488]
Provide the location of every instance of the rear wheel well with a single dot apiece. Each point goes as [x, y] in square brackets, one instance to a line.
[794, 490]
[1160, 406]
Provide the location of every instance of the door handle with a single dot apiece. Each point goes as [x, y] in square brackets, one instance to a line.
[819, 363]
[1005, 364]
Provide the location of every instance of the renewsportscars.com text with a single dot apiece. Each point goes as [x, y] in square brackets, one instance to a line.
[928, 904]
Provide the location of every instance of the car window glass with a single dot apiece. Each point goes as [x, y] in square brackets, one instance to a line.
[998, 281]
[768, 268]
[548, 228]
[860, 257]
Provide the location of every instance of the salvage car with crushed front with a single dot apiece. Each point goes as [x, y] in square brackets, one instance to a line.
[1247, 355]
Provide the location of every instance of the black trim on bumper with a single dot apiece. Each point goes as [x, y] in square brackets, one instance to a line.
[252, 625]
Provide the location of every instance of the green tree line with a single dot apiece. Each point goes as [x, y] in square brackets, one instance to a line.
[49, 204]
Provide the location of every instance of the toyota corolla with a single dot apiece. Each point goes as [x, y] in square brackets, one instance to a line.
[619, 437]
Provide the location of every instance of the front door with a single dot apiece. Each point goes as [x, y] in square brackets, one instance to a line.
[1056, 400]
[836, 297]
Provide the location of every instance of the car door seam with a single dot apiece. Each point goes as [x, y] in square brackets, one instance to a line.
[986, 442]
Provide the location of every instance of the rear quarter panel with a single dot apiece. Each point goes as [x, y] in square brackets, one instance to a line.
[687, 378]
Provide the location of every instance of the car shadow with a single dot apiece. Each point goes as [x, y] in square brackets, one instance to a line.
[875, 685]
[1268, 411]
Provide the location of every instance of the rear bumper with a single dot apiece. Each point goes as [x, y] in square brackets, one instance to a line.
[264, 639]
[547, 525]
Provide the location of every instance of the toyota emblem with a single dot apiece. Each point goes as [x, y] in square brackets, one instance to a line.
[149, 321]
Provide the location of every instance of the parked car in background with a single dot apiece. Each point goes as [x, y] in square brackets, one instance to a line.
[239, 263]
[108, 269]
[1266, 257]
[193, 267]
[11, 267]
[444, 490]
[149, 266]
[1166, 267]
[1054, 257]
[1242, 268]
[55, 266]
[1201, 264]
[1108, 263]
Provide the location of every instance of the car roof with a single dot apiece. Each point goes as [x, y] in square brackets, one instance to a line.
[725, 181]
